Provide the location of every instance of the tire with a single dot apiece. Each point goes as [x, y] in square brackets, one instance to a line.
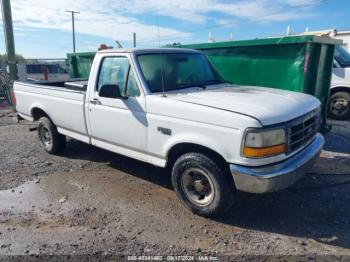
[339, 106]
[49, 138]
[202, 185]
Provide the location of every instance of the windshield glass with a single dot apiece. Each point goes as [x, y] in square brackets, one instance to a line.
[177, 71]
[342, 56]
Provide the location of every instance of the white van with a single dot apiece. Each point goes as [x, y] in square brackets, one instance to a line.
[42, 71]
[339, 101]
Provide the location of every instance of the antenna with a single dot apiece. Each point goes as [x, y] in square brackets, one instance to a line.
[160, 59]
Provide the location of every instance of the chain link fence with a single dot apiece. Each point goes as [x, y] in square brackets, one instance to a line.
[3, 82]
[32, 70]
[5, 88]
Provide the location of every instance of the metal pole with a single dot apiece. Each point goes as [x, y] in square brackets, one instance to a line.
[73, 26]
[9, 39]
[73, 32]
[134, 40]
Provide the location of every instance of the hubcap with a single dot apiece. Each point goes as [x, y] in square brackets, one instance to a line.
[197, 186]
[45, 136]
[339, 106]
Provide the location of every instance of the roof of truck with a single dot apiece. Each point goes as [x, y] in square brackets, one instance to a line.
[148, 50]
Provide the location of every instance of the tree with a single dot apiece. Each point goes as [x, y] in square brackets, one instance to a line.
[19, 58]
[178, 44]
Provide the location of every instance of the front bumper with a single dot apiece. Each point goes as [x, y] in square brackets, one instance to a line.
[277, 176]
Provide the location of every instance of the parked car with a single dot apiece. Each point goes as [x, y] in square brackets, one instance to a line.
[170, 108]
[339, 101]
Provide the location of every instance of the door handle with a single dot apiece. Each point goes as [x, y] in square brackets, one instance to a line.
[95, 101]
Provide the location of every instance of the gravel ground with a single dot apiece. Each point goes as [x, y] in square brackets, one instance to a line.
[89, 203]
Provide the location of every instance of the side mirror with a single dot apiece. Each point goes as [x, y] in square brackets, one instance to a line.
[110, 91]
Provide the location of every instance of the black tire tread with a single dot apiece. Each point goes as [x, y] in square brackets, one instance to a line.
[345, 95]
[226, 189]
[58, 140]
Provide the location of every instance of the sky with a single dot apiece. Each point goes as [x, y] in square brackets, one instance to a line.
[43, 29]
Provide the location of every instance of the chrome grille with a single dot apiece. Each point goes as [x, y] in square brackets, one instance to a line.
[302, 130]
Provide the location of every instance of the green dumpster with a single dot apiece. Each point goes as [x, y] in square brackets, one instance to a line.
[79, 64]
[297, 63]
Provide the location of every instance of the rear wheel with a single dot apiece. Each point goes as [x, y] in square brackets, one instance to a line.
[49, 138]
[203, 185]
[339, 106]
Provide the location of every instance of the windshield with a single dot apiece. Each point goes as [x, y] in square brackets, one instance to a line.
[177, 71]
[342, 56]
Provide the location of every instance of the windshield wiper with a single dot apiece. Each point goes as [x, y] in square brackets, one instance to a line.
[216, 81]
[206, 83]
[201, 85]
[182, 86]
[188, 86]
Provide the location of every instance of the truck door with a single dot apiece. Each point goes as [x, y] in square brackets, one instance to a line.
[118, 124]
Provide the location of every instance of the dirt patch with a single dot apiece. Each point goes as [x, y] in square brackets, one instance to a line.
[115, 206]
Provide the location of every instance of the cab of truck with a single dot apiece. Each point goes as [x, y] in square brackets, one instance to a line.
[339, 101]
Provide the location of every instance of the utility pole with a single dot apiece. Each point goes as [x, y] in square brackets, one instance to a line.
[9, 39]
[73, 26]
[134, 39]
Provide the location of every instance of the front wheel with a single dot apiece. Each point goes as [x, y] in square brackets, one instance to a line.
[339, 106]
[202, 185]
[49, 138]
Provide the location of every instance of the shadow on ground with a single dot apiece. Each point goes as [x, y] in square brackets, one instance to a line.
[316, 207]
[82, 151]
[337, 142]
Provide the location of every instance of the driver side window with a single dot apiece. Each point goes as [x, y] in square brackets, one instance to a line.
[117, 71]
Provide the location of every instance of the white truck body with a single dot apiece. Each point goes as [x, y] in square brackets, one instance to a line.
[339, 102]
[149, 126]
[341, 77]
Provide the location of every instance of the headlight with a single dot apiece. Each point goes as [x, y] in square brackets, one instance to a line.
[259, 144]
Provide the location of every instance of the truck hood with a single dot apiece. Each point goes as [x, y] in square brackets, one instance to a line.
[269, 106]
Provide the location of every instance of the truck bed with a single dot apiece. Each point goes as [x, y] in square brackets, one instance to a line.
[62, 102]
[77, 85]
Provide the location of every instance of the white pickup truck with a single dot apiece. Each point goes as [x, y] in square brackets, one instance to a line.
[170, 108]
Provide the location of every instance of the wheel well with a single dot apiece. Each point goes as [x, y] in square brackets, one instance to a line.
[183, 148]
[37, 113]
[339, 89]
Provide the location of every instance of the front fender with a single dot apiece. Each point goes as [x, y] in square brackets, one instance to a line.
[212, 143]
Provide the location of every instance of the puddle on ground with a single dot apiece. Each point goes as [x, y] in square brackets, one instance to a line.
[150, 211]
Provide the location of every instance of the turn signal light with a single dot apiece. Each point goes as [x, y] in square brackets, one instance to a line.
[253, 152]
